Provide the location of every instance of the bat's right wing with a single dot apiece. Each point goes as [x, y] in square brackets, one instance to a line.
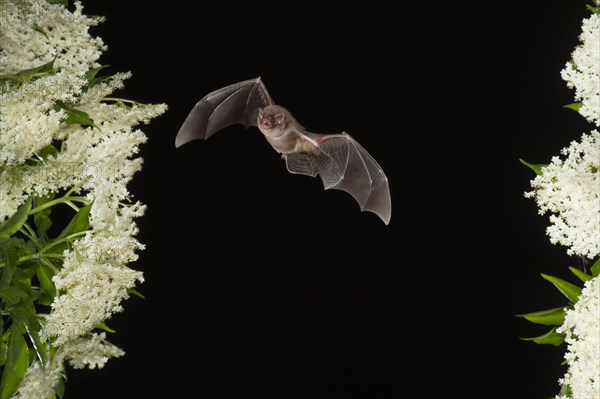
[345, 165]
[236, 103]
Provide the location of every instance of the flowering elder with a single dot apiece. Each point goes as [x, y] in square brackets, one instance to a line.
[583, 72]
[64, 140]
[570, 190]
[92, 351]
[582, 334]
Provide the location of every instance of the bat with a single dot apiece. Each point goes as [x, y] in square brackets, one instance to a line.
[338, 159]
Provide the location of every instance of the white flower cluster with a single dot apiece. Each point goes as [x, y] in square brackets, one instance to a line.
[92, 351]
[99, 160]
[93, 290]
[570, 189]
[583, 72]
[582, 331]
[65, 37]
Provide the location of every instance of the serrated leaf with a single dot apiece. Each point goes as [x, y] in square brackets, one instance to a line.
[579, 274]
[17, 361]
[595, 269]
[91, 76]
[17, 220]
[75, 116]
[569, 290]
[550, 338]
[574, 106]
[79, 223]
[550, 317]
[536, 168]
[39, 70]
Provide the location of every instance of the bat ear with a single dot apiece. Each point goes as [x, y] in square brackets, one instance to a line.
[279, 118]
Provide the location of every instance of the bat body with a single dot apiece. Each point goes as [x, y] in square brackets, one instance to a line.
[341, 162]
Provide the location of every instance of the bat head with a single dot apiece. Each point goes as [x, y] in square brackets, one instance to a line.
[271, 119]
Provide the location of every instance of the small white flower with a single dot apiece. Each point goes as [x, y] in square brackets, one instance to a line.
[91, 351]
[582, 331]
[570, 189]
[65, 37]
[583, 72]
[92, 284]
[94, 279]
[39, 381]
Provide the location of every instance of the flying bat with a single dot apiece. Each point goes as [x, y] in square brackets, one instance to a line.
[341, 162]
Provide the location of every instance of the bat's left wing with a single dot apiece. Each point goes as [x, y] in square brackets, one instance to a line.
[345, 165]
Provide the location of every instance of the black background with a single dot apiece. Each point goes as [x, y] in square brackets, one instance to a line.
[261, 284]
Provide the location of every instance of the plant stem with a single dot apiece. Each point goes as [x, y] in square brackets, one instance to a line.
[42, 252]
[58, 201]
[122, 100]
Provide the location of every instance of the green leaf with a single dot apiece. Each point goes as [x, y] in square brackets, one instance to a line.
[565, 390]
[9, 254]
[574, 106]
[4, 346]
[550, 317]
[595, 269]
[136, 293]
[43, 223]
[39, 29]
[17, 220]
[79, 223]
[42, 218]
[91, 76]
[569, 290]
[44, 275]
[595, 10]
[579, 274]
[536, 168]
[14, 294]
[47, 151]
[40, 347]
[105, 327]
[59, 388]
[41, 70]
[27, 75]
[75, 116]
[17, 361]
[550, 338]
[19, 298]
